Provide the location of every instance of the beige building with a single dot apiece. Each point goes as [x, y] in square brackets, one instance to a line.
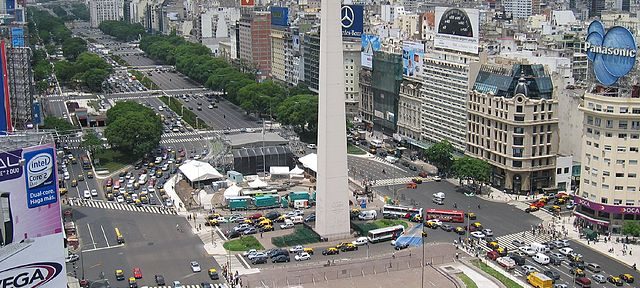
[609, 188]
[513, 124]
[102, 10]
[351, 56]
[409, 106]
[278, 51]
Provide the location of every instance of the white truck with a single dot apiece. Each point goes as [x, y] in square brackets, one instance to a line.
[506, 262]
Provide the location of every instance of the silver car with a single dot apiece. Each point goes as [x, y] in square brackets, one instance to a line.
[599, 278]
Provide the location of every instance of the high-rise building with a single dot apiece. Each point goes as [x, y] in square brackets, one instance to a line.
[513, 125]
[596, 7]
[281, 46]
[255, 41]
[608, 193]
[311, 60]
[521, 9]
[101, 10]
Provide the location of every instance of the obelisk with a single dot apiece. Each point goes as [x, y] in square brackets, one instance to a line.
[332, 211]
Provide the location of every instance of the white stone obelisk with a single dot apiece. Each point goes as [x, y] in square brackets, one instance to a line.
[332, 211]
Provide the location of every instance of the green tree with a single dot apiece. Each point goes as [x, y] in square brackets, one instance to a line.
[133, 133]
[121, 109]
[469, 168]
[121, 30]
[61, 125]
[73, 47]
[631, 227]
[300, 111]
[440, 155]
[91, 142]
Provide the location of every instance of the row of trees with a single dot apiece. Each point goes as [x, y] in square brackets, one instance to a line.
[465, 168]
[121, 30]
[76, 11]
[265, 98]
[88, 71]
[133, 129]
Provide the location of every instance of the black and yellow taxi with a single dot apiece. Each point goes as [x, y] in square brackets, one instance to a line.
[308, 250]
[110, 196]
[90, 174]
[460, 230]
[341, 244]
[63, 191]
[138, 203]
[555, 208]
[577, 272]
[615, 280]
[626, 277]
[133, 283]
[281, 218]
[247, 221]
[424, 234]
[470, 215]
[119, 274]
[501, 251]
[532, 208]
[348, 247]
[80, 177]
[493, 245]
[74, 183]
[265, 222]
[431, 225]
[560, 201]
[266, 228]
[211, 222]
[331, 251]
[213, 274]
[416, 218]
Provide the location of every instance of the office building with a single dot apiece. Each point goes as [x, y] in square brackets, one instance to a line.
[513, 125]
[409, 107]
[281, 54]
[101, 10]
[255, 41]
[609, 187]
[519, 9]
[311, 57]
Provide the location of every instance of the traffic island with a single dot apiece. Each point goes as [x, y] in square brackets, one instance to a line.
[245, 243]
[506, 281]
[468, 282]
[301, 236]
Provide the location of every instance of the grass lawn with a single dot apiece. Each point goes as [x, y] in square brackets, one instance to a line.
[112, 160]
[499, 276]
[352, 149]
[364, 228]
[188, 115]
[243, 244]
[467, 281]
[302, 235]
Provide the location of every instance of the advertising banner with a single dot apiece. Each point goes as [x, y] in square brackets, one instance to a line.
[37, 114]
[457, 29]
[613, 53]
[279, 16]
[17, 37]
[5, 105]
[412, 58]
[247, 3]
[352, 17]
[370, 44]
[32, 243]
[634, 210]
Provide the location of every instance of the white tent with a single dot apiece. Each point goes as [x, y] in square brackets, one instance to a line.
[279, 170]
[257, 184]
[199, 171]
[296, 171]
[310, 161]
[232, 191]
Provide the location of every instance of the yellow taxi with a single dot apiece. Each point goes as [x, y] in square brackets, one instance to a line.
[460, 230]
[532, 208]
[215, 215]
[477, 225]
[615, 280]
[262, 218]
[501, 251]
[213, 274]
[266, 228]
[577, 272]
[424, 234]
[110, 197]
[331, 251]
[281, 218]
[63, 191]
[264, 222]
[555, 208]
[248, 221]
[119, 274]
[348, 247]
[431, 225]
[74, 183]
[341, 244]
[138, 203]
[627, 277]
[133, 283]
[90, 174]
[109, 189]
[308, 250]
[417, 218]
[470, 215]
[493, 245]
[211, 222]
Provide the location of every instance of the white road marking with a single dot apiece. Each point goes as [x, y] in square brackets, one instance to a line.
[103, 248]
[91, 234]
[105, 235]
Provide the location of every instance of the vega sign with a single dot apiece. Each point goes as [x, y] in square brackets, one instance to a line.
[613, 54]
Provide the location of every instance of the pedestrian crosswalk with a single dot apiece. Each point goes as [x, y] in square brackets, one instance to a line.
[215, 285]
[177, 134]
[121, 206]
[392, 181]
[526, 236]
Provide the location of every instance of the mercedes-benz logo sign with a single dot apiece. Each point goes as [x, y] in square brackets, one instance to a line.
[348, 16]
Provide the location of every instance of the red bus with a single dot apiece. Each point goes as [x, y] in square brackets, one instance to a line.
[445, 215]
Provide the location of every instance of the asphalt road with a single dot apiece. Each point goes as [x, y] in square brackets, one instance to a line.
[226, 115]
[138, 60]
[152, 243]
[167, 80]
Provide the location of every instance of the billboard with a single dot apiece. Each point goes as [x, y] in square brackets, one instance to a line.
[279, 16]
[32, 243]
[5, 105]
[457, 29]
[17, 37]
[351, 18]
[412, 58]
[37, 114]
[613, 53]
[247, 3]
[370, 44]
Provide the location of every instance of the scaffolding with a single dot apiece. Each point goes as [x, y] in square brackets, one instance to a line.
[21, 86]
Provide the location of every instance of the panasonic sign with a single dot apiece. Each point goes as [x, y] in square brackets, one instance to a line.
[613, 54]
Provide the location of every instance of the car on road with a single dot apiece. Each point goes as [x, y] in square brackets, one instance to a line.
[437, 178]
[137, 273]
[348, 247]
[86, 194]
[360, 241]
[518, 243]
[159, 279]
[177, 284]
[249, 252]
[242, 227]
[560, 286]
[210, 106]
[331, 251]
[487, 232]
[213, 274]
[599, 278]
[614, 280]
[206, 285]
[566, 251]
[447, 227]
[552, 274]
[302, 256]
[401, 246]
[477, 234]
[527, 269]
[120, 199]
[94, 193]
[132, 282]
[296, 249]
[250, 230]
[71, 258]
[195, 267]
[280, 259]
[435, 222]
[527, 250]
[257, 255]
[627, 277]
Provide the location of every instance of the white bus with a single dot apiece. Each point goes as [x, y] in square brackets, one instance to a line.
[392, 211]
[385, 234]
[143, 179]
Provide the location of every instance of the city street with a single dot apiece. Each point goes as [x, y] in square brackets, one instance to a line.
[168, 80]
[226, 115]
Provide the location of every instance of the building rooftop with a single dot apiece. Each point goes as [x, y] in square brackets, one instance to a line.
[503, 82]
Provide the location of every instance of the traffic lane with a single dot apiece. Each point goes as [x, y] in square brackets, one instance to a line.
[372, 169]
[611, 265]
[138, 60]
[226, 115]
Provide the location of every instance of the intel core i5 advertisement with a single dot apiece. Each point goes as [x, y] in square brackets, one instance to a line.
[31, 239]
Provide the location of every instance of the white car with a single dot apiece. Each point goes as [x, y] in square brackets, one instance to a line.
[439, 195]
[360, 241]
[94, 192]
[437, 178]
[257, 255]
[249, 252]
[487, 232]
[436, 222]
[312, 146]
[296, 249]
[86, 194]
[527, 250]
[477, 234]
[120, 199]
[195, 267]
[565, 251]
[302, 256]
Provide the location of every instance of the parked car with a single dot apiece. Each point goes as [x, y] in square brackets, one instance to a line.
[280, 259]
[302, 256]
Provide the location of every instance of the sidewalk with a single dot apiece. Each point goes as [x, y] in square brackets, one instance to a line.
[478, 278]
[627, 258]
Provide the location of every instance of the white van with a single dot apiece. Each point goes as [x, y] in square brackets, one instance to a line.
[541, 258]
[376, 143]
[287, 224]
[297, 219]
[540, 248]
[368, 215]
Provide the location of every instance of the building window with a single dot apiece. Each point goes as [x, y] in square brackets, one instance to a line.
[622, 124]
[603, 200]
[519, 130]
[607, 147]
[609, 123]
[622, 135]
[618, 188]
[589, 120]
[519, 109]
[605, 173]
[605, 186]
[621, 162]
[633, 162]
[631, 189]
[631, 175]
[559, 171]
[566, 170]
[517, 152]
[617, 201]
[518, 118]
[619, 175]
[624, 109]
[517, 163]
[518, 141]
[630, 203]
[633, 149]
[622, 149]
